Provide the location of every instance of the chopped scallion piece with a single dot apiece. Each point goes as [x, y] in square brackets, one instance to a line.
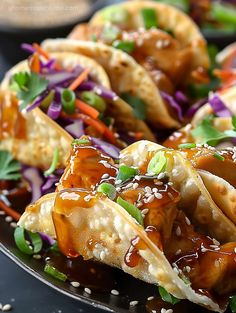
[131, 209]
[51, 270]
[54, 163]
[115, 14]
[110, 33]
[234, 122]
[107, 189]
[157, 163]
[149, 18]
[232, 304]
[23, 245]
[82, 141]
[126, 172]
[218, 156]
[94, 100]
[68, 101]
[167, 297]
[223, 13]
[126, 46]
[187, 145]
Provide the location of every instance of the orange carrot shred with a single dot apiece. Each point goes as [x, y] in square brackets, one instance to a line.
[78, 81]
[34, 63]
[44, 54]
[15, 215]
[87, 109]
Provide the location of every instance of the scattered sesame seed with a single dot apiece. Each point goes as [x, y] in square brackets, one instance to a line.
[105, 176]
[118, 189]
[145, 211]
[47, 258]
[161, 175]
[6, 307]
[133, 303]
[87, 290]
[150, 198]
[137, 177]
[187, 268]
[115, 292]
[37, 256]
[216, 242]
[203, 249]
[154, 190]
[87, 198]
[178, 252]
[75, 284]
[215, 247]
[150, 298]
[102, 255]
[106, 164]
[178, 231]
[8, 219]
[117, 182]
[158, 183]
[139, 204]
[170, 183]
[2, 213]
[148, 189]
[135, 185]
[130, 185]
[187, 221]
[13, 224]
[158, 195]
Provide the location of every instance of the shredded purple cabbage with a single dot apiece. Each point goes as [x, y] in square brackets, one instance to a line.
[173, 103]
[195, 107]
[108, 148]
[36, 103]
[28, 48]
[32, 175]
[99, 90]
[54, 110]
[219, 107]
[47, 238]
[76, 129]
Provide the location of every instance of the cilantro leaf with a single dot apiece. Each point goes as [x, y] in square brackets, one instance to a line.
[29, 86]
[9, 168]
[167, 297]
[206, 133]
[138, 105]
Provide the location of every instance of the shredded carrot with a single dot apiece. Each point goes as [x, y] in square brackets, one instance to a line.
[87, 109]
[138, 135]
[44, 54]
[78, 81]
[229, 61]
[34, 63]
[15, 215]
[228, 78]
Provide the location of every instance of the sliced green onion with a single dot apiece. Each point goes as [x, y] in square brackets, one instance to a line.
[149, 18]
[187, 145]
[51, 270]
[54, 163]
[157, 163]
[131, 209]
[138, 105]
[23, 245]
[107, 189]
[223, 13]
[126, 46]
[55, 248]
[126, 172]
[82, 141]
[115, 14]
[234, 122]
[232, 304]
[167, 297]
[110, 33]
[94, 100]
[181, 4]
[68, 101]
[218, 156]
[47, 100]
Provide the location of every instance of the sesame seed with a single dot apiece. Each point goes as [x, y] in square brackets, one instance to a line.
[150, 298]
[13, 224]
[154, 190]
[215, 247]
[170, 196]
[8, 219]
[234, 250]
[75, 284]
[170, 183]
[158, 183]
[175, 269]
[2, 213]
[115, 292]
[148, 189]
[150, 198]
[187, 221]
[187, 268]
[87, 198]
[216, 242]
[169, 311]
[178, 231]
[87, 290]
[178, 252]
[145, 211]
[203, 249]
[135, 185]
[107, 165]
[118, 189]
[130, 185]
[161, 175]
[105, 176]
[158, 195]
[139, 204]
[133, 303]
[37, 256]
[102, 255]
[137, 177]
[117, 182]
[6, 307]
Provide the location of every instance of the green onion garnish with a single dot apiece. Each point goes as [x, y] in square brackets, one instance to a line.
[107, 189]
[23, 245]
[131, 209]
[126, 172]
[55, 248]
[68, 101]
[223, 14]
[234, 122]
[51, 270]
[94, 100]
[110, 33]
[157, 163]
[232, 304]
[82, 141]
[167, 297]
[126, 46]
[47, 100]
[187, 145]
[54, 163]
[149, 18]
[218, 156]
[115, 14]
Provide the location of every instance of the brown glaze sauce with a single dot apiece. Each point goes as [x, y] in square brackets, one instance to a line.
[12, 123]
